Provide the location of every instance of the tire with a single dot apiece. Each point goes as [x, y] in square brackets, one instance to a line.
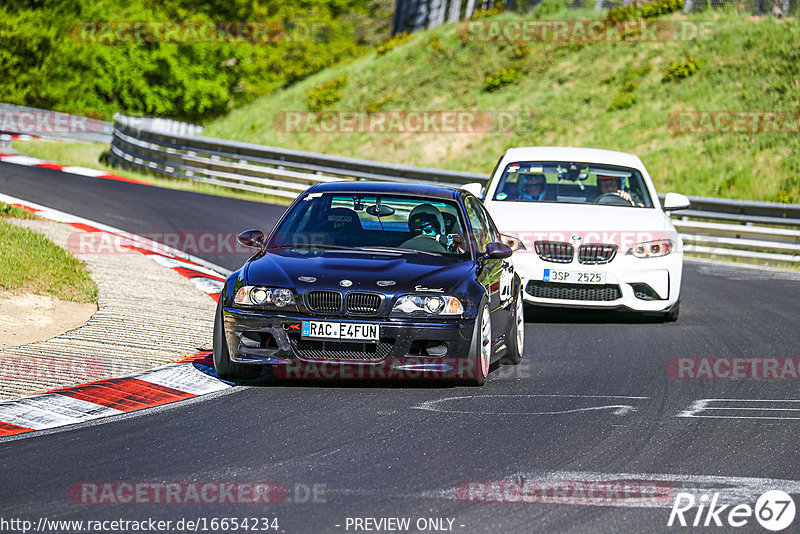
[672, 315]
[480, 353]
[516, 334]
[222, 361]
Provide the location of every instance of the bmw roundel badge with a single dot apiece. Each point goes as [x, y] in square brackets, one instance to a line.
[346, 283]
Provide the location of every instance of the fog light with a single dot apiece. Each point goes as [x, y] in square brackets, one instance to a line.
[282, 297]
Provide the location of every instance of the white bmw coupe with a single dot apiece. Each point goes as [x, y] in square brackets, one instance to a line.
[588, 229]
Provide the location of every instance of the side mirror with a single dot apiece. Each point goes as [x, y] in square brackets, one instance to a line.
[497, 251]
[513, 243]
[252, 238]
[675, 202]
[475, 188]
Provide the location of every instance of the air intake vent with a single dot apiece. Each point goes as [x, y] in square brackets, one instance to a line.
[363, 303]
[324, 301]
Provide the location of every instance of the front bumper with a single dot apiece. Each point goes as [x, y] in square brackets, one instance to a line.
[638, 284]
[406, 348]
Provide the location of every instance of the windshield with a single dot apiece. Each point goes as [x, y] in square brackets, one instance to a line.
[572, 183]
[380, 223]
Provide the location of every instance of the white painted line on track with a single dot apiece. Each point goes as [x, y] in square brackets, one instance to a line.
[435, 405]
[50, 410]
[183, 377]
[701, 409]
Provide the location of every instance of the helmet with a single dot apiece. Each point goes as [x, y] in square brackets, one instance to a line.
[527, 180]
[617, 181]
[425, 219]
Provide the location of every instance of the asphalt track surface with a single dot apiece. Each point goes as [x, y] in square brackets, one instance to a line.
[591, 401]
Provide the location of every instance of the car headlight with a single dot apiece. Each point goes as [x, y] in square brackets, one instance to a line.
[264, 296]
[651, 249]
[431, 305]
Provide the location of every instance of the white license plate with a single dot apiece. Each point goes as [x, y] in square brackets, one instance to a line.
[342, 331]
[574, 277]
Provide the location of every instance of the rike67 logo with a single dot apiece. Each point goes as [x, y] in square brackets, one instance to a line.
[774, 510]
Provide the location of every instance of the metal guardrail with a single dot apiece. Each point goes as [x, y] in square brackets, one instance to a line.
[20, 120]
[720, 227]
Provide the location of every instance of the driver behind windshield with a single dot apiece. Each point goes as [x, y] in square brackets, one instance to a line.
[532, 187]
[427, 225]
[612, 185]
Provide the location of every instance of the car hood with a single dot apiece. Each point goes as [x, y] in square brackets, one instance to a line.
[314, 269]
[558, 222]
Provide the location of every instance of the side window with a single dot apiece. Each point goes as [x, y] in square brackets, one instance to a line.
[480, 226]
[494, 233]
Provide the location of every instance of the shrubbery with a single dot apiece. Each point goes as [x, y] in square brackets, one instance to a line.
[679, 70]
[501, 78]
[327, 94]
[644, 10]
[46, 66]
[393, 42]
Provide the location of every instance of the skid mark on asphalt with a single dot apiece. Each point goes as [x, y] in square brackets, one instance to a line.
[439, 405]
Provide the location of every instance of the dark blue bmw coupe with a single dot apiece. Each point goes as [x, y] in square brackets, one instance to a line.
[373, 280]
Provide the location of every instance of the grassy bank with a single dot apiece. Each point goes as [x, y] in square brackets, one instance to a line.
[30, 263]
[614, 95]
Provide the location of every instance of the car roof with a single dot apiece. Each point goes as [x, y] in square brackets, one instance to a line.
[411, 189]
[576, 154]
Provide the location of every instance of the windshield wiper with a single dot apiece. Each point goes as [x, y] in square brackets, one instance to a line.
[400, 250]
[331, 247]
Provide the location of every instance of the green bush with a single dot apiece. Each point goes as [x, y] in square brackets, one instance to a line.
[435, 43]
[392, 43]
[497, 80]
[547, 8]
[646, 10]
[679, 70]
[47, 63]
[325, 95]
[623, 100]
[493, 11]
[520, 51]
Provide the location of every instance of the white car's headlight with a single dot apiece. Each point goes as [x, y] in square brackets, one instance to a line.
[652, 249]
[263, 296]
[431, 305]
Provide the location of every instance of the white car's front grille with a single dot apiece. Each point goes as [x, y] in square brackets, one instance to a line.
[596, 254]
[554, 251]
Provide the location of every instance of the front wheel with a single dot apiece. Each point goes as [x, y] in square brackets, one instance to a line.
[222, 361]
[480, 356]
[516, 334]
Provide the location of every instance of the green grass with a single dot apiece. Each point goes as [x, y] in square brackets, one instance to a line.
[7, 210]
[29, 262]
[88, 155]
[605, 95]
